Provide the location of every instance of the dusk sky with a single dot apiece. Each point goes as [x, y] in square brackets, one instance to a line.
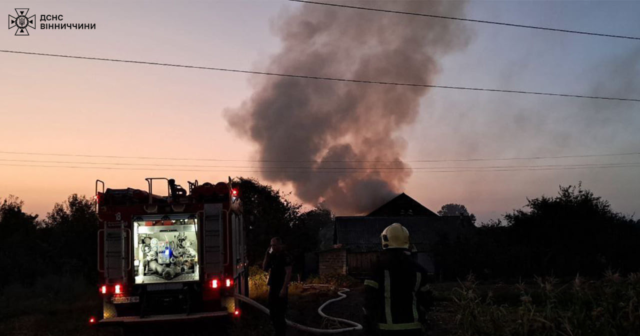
[81, 107]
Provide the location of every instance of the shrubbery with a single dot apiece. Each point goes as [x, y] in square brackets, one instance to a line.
[606, 307]
[63, 244]
[573, 232]
[258, 282]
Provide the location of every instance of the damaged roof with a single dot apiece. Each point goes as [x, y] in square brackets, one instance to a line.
[402, 205]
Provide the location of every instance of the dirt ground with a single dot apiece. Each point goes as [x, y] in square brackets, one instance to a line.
[41, 318]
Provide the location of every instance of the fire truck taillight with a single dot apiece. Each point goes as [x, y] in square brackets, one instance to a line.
[92, 320]
[236, 313]
[118, 289]
[234, 192]
[214, 283]
[103, 289]
[229, 282]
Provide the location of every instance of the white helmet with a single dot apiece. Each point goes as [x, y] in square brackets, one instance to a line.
[395, 236]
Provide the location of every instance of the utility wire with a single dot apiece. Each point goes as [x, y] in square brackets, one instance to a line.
[314, 161]
[322, 78]
[313, 169]
[320, 172]
[468, 20]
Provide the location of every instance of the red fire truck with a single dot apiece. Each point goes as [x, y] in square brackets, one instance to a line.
[180, 256]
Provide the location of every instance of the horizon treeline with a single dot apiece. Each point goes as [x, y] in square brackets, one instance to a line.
[572, 233]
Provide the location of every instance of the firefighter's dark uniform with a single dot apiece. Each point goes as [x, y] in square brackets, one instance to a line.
[278, 263]
[396, 294]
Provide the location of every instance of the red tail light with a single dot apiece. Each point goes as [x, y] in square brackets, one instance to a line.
[103, 289]
[229, 283]
[118, 289]
[214, 283]
[236, 313]
[234, 192]
[92, 320]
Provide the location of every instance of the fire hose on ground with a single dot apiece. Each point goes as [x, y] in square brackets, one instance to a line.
[342, 295]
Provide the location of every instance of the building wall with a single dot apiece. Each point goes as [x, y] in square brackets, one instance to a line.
[311, 264]
[333, 261]
[425, 260]
[358, 264]
[361, 263]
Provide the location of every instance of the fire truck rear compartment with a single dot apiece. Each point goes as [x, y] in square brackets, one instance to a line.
[165, 249]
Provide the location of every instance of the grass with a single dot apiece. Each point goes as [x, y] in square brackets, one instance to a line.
[537, 307]
[304, 300]
[548, 307]
[62, 306]
[53, 306]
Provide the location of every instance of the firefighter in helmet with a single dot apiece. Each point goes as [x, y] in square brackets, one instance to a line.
[396, 295]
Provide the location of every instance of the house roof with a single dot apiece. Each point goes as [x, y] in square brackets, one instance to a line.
[402, 205]
[362, 234]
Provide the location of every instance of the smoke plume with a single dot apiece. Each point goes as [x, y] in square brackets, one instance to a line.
[326, 126]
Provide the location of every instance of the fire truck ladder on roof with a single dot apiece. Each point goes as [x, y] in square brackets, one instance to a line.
[150, 182]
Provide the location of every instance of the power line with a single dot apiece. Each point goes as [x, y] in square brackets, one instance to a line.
[314, 169]
[360, 81]
[314, 161]
[506, 169]
[468, 20]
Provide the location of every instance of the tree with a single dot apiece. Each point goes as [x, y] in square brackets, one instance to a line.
[305, 236]
[70, 232]
[267, 214]
[19, 245]
[322, 221]
[573, 232]
[311, 224]
[453, 209]
[13, 220]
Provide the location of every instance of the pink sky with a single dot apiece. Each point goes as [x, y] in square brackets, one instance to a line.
[50, 105]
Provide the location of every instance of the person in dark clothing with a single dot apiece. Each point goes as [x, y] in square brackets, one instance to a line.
[278, 263]
[397, 294]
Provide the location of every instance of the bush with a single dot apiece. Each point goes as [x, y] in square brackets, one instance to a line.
[574, 232]
[258, 288]
[258, 278]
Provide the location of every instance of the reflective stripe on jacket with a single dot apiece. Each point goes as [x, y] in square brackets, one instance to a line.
[396, 292]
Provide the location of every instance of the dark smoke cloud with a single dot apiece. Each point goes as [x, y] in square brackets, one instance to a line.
[318, 122]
